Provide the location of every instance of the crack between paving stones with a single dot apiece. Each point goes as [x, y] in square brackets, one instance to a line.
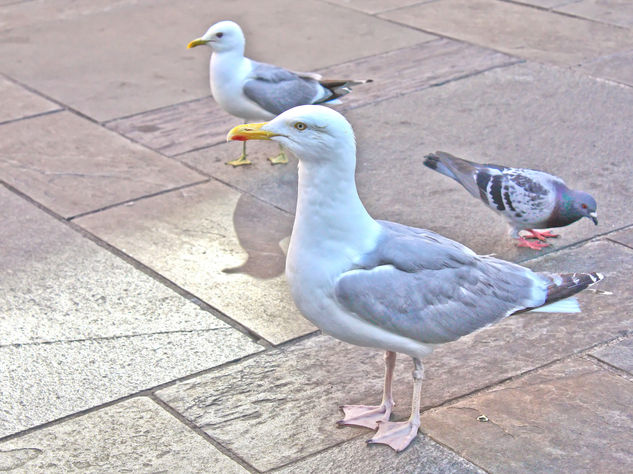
[405, 7]
[40, 114]
[580, 353]
[148, 392]
[619, 243]
[203, 434]
[565, 14]
[579, 243]
[612, 369]
[120, 176]
[53, 100]
[112, 338]
[137, 199]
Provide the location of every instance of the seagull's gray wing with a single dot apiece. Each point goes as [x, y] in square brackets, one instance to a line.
[276, 89]
[429, 288]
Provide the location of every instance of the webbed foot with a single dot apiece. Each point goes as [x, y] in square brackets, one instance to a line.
[397, 435]
[241, 161]
[280, 159]
[365, 415]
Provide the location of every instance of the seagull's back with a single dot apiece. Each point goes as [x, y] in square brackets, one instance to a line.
[421, 285]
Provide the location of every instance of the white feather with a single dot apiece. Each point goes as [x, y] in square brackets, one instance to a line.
[568, 305]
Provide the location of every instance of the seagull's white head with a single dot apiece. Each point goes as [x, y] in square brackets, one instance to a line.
[223, 36]
[312, 132]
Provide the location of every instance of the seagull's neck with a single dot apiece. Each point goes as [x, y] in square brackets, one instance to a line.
[226, 65]
[330, 217]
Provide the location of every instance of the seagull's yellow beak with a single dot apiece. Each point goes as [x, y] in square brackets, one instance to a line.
[196, 42]
[249, 131]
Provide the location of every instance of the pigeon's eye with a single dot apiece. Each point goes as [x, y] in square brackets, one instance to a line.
[584, 206]
[300, 126]
[219, 35]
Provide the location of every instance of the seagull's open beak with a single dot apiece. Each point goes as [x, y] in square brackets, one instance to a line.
[197, 42]
[249, 131]
[594, 217]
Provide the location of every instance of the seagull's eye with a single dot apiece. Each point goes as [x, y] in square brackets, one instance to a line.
[584, 206]
[300, 126]
[219, 35]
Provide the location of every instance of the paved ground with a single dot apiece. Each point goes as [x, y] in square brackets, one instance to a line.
[145, 324]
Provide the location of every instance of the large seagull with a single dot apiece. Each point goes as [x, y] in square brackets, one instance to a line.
[386, 285]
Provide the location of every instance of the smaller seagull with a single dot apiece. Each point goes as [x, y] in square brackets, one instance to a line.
[527, 198]
[386, 285]
[252, 90]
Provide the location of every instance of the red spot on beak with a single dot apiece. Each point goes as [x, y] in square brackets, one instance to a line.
[239, 138]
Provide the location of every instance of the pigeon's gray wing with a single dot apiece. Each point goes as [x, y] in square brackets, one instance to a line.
[524, 196]
[276, 89]
[431, 289]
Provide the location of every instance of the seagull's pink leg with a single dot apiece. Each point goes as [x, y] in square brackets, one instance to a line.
[534, 234]
[399, 435]
[531, 245]
[370, 416]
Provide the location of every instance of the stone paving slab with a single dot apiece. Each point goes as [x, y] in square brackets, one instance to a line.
[132, 436]
[616, 12]
[571, 417]
[219, 244]
[619, 355]
[143, 46]
[74, 166]
[615, 67]
[424, 456]
[43, 382]
[524, 115]
[81, 327]
[201, 123]
[290, 397]
[58, 286]
[517, 29]
[28, 13]
[17, 102]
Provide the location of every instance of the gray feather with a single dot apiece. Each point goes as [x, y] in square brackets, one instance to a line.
[431, 289]
[527, 198]
[276, 89]
[421, 285]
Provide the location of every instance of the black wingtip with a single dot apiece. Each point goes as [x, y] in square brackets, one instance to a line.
[570, 284]
[431, 161]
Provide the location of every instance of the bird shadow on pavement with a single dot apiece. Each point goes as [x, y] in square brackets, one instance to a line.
[263, 232]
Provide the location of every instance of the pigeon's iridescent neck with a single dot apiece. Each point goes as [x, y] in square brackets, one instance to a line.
[565, 211]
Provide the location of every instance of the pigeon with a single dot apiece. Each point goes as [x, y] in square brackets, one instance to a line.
[255, 91]
[528, 199]
[383, 284]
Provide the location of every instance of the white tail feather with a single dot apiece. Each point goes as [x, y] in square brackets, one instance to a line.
[568, 305]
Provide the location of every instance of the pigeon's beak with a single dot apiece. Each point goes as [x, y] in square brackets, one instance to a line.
[594, 217]
[197, 42]
[249, 131]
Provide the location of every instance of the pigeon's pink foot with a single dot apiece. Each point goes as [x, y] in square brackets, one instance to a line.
[397, 435]
[363, 415]
[534, 234]
[531, 245]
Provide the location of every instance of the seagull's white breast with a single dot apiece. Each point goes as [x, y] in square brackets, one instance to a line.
[227, 74]
[329, 239]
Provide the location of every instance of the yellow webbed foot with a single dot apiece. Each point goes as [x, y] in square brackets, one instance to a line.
[280, 159]
[242, 160]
